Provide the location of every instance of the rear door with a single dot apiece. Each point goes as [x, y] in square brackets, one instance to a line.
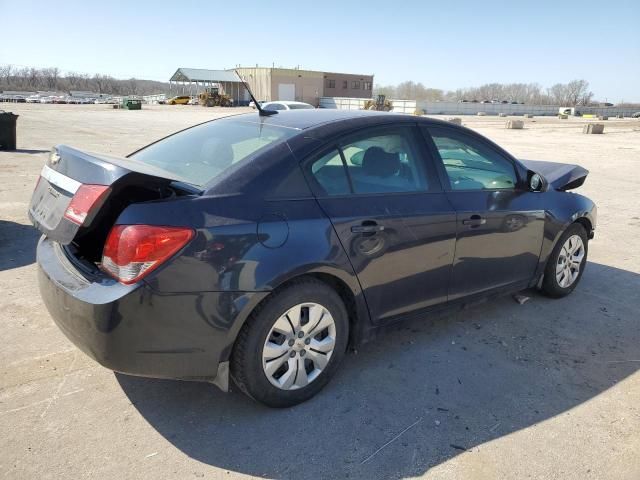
[500, 222]
[382, 194]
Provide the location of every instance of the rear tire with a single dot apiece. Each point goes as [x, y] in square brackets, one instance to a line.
[275, 361]
[566, 263]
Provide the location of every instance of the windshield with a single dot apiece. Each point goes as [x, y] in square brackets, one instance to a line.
[200, 154]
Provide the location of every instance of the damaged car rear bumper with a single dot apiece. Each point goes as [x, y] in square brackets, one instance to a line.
[136, 330]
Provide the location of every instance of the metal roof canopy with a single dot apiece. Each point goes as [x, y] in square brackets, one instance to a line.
[203, 75]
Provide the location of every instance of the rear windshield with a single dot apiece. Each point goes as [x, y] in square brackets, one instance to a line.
[299, 106]
[199, 154]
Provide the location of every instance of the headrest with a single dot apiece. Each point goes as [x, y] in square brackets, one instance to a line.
[217, 152]
[378, 163]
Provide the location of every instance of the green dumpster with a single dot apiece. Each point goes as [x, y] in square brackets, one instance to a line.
[8, 130]
[131, 103]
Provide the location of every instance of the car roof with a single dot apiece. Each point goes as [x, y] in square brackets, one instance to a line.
[305, 119]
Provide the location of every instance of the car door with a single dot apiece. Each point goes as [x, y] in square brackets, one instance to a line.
[500, 223]
[382, 193]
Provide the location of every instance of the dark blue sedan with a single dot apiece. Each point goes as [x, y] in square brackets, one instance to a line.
[261, 247]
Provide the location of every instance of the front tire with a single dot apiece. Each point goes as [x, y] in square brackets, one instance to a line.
[291, 345]
[566, 263]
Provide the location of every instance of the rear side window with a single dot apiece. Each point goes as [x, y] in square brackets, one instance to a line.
[199, 154]
[329, 172]
[380, 161]
[470, 164]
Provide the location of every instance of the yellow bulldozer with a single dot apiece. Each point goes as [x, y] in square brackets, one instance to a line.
[380, 103]
[211, 97]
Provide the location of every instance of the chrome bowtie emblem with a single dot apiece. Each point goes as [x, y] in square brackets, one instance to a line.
[54, 158]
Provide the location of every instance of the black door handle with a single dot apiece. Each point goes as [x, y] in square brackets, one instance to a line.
[373, 228]
[474, 221]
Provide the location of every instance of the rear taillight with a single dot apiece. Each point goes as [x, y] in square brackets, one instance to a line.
[86, 198]
[132, 251]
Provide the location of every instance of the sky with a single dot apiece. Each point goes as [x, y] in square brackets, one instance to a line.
[444, 44]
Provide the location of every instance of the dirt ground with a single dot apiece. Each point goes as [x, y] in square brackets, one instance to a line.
[548, 389]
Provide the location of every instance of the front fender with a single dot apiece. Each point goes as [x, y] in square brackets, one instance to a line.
[565, 209]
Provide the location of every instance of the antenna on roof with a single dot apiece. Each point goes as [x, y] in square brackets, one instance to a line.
[261, 112]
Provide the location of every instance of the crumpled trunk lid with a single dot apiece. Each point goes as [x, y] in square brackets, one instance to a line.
[68, 170]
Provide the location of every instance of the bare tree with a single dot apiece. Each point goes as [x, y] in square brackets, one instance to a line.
[50, 77]
[101, 82]
[578, 92]
[132, 83]
[387, 90]
[5, 73]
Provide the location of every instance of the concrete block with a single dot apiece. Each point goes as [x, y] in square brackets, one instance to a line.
[481, 114]
[514, 124]
[528, 115]
[603, 117]
[456, 120]
[562, 116]
[502, 114]
[595, 128]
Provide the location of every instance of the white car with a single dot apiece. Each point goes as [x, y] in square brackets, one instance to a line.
[33, 99]
[286, 105]
[193, 101]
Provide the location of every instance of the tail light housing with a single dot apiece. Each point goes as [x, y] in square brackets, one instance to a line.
[86, 200]
[133, 251]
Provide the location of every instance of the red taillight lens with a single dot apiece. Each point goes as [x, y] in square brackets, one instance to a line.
[132, 251]
[86, 198]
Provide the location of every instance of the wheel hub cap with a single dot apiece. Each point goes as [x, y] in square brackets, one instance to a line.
[299, 346]
[570, 261]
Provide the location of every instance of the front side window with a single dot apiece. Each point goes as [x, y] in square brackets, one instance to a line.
[384, 161]
[331, 83]
[471, 165]
[355, 85]
[345, 84]
[200, 154]
[367, 85]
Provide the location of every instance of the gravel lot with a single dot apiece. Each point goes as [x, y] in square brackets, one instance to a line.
[548, 389]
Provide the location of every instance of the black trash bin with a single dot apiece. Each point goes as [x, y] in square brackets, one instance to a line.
[8, 122]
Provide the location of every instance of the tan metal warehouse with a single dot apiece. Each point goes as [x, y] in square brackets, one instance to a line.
[268, 84]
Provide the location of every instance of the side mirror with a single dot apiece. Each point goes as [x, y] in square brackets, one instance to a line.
[537, 182]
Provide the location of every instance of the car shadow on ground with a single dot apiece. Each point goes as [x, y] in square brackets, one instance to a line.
[17, 244]
[29, 150]
[458, 381]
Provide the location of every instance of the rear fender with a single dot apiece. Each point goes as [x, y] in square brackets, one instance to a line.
[360, 322]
